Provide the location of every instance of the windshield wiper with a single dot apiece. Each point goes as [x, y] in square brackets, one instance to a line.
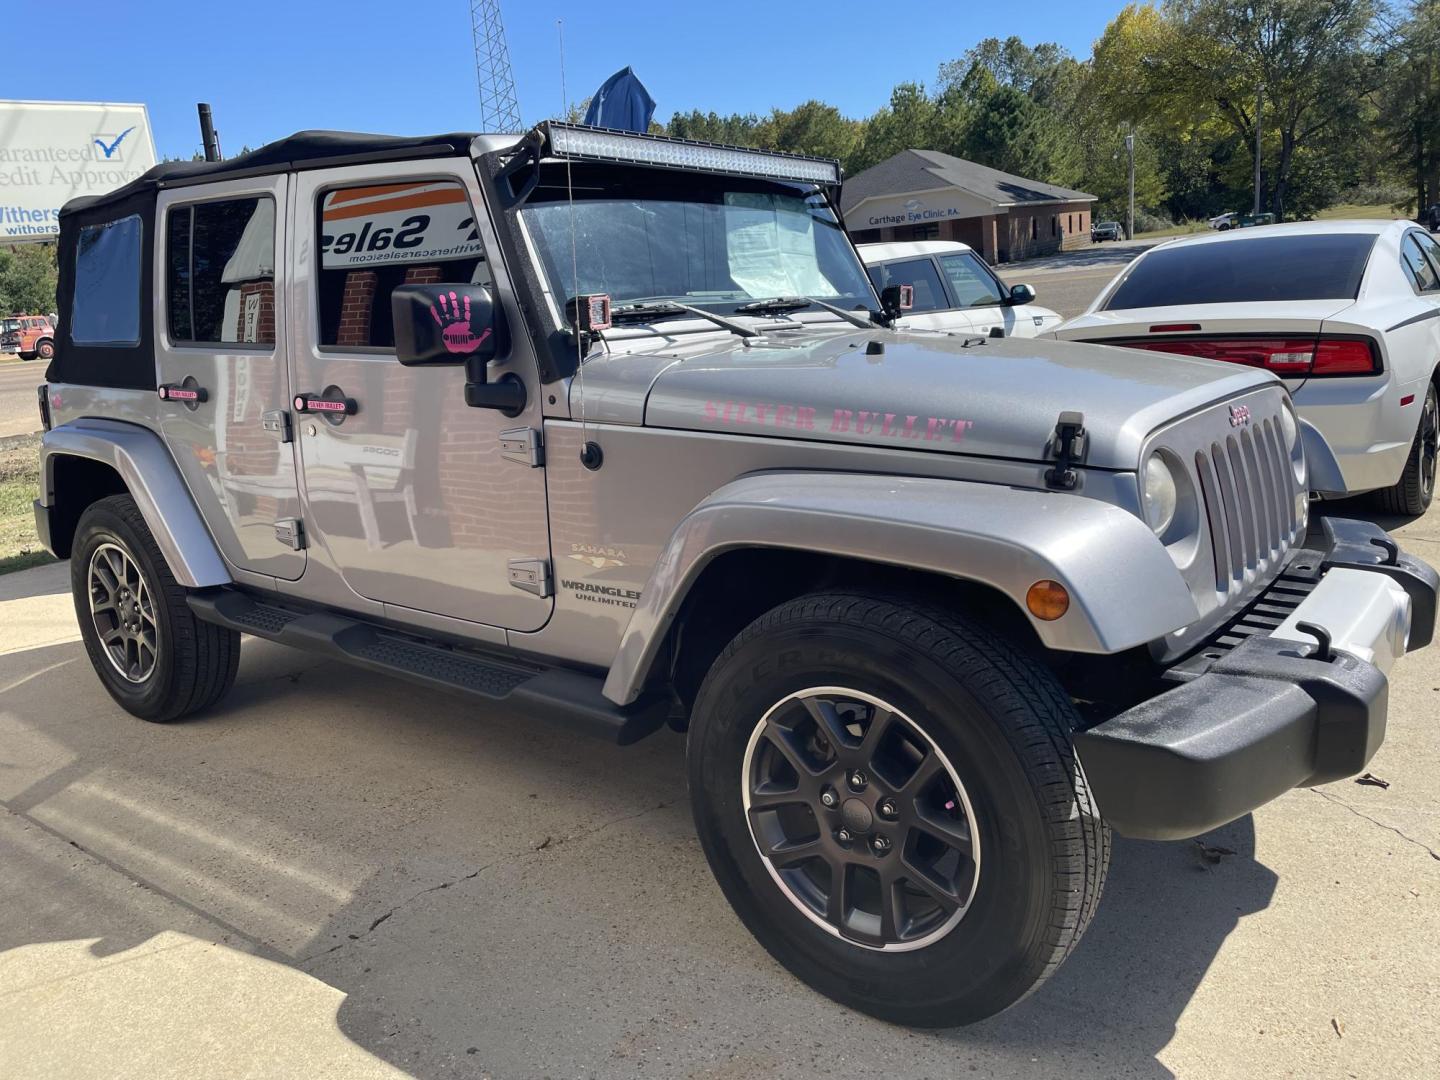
[779, 304]
[640, 312]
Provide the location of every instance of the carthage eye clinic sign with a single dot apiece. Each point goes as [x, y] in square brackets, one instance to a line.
[55, 151]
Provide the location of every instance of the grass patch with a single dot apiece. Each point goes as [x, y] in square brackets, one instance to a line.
[1185, 228]
[19, 487]
[1383, 211]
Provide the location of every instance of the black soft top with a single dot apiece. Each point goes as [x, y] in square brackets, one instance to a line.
[303, 150]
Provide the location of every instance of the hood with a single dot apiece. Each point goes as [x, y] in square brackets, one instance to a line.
[997, 398]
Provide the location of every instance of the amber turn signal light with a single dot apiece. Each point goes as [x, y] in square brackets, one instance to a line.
[1047, 600]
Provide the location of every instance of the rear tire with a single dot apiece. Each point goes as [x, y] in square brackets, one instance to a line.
[811, 678]
[1415, 490]
[157, 660]
[45, 350]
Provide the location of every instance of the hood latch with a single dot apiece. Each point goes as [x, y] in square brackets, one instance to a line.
[1068, 446]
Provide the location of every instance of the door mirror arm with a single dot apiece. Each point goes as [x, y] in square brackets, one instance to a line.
[506, 393]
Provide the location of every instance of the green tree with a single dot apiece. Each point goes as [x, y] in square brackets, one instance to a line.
[812, 128]
[27, 279]
[912, 120]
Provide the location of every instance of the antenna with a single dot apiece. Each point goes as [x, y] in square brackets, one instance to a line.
[499, 110]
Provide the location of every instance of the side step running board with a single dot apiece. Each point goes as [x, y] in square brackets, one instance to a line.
[569, 697]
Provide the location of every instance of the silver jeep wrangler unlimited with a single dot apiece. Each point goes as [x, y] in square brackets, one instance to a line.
[613, 428]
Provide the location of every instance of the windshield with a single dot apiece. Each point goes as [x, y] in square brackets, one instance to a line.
[9, 324]
[1261, 268]
[715, 243]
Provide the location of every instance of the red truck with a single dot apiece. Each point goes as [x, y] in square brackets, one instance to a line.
[28, 335]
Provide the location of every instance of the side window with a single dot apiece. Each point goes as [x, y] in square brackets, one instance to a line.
[1417, 267]
[377, 237]
[220, 272]
[918, 273]
[972, 284]
[106, 310]
[1431, 251]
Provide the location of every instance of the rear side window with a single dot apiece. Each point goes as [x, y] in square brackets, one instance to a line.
[972, 284]
[1419, 263]
[918, 273]
[106, 310]
[1312, 267]
[220, 272]
[377, 237]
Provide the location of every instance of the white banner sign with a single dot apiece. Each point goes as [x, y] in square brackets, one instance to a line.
[54, 151]
[397, 223]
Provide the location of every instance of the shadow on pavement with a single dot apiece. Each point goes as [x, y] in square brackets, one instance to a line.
[495, 896]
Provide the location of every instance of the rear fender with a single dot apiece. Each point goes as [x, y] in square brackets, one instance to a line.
[153, 480]
[1124, 588]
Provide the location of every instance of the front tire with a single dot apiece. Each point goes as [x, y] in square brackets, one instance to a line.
[157, 660]
[931, 852]
[1415, 490]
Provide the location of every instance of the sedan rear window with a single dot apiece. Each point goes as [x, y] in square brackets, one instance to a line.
[1323, 267]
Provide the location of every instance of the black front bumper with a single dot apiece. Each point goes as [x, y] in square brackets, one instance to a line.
[1250, 723]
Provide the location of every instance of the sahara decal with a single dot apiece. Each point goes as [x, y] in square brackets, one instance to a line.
[609, 595]
[391, 223]
[862, 423]
[601, 558]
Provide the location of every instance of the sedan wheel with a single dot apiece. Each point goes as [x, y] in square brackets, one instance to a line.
[1415, 490]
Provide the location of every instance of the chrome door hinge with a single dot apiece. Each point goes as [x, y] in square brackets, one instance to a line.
[277, 424]
[523, 444]
[291, 533]
[532, 575]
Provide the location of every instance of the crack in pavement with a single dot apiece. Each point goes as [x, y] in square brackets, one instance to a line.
[546, 847]
[1389, 828]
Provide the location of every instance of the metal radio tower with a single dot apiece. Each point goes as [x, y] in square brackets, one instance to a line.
[499, 111]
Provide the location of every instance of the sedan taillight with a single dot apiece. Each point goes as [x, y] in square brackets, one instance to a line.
[1288, 357]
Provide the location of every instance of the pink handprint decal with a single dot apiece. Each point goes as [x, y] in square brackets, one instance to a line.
[454, 322]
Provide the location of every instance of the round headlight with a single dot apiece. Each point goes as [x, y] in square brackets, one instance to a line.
[1160, 494]
[1289, 427]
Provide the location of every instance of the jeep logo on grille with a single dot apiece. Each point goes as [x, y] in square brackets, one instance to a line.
[1239, 415]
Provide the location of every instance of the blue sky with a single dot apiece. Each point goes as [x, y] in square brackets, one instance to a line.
[270, 67]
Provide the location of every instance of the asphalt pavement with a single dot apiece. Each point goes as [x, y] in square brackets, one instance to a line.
[19, 412]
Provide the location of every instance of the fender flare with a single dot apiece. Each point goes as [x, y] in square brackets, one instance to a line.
[1125, 589]
[153, 479]
[1322, 469]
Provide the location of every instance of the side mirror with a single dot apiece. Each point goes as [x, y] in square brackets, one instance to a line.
[1021, 294]
[444, 324]
[895, 300]
[450, 324]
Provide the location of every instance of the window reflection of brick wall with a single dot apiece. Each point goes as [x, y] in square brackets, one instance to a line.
[264, 331]
[356, 306]
[253, 458]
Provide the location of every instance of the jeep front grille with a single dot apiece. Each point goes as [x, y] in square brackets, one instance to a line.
[1248, 490]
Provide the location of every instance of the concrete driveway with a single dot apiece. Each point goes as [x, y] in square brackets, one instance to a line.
[333, 874]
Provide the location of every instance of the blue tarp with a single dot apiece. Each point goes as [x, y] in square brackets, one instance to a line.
[621, 102]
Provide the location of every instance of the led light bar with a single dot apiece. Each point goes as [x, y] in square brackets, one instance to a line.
[604, 144]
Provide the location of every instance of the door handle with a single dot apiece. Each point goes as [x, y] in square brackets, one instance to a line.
[187, 392]
[331, 403]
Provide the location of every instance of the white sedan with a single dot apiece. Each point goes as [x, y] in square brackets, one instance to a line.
[1347, 313]
[954, 289]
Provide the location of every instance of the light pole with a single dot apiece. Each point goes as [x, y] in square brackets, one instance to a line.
[1259, 103]
[1130, 213]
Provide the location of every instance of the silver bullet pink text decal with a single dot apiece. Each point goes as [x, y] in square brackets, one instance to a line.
[861, 423]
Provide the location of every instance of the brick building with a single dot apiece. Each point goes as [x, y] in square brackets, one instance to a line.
[927, 195]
